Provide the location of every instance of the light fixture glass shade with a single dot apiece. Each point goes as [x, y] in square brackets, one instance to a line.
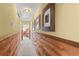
[28, 10]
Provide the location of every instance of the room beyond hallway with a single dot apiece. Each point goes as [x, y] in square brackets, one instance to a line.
[26, 48]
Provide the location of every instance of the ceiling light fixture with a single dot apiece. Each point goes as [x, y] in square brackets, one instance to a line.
[28, 10]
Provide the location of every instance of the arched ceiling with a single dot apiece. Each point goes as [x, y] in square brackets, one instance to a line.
[25, 15]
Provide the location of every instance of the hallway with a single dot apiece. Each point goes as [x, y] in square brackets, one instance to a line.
[53, 29]
[26, 48]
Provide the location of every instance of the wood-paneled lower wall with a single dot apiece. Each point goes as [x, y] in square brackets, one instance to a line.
[47, 45]
[9, 45]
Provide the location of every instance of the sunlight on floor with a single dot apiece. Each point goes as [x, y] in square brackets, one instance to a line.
[26, 48]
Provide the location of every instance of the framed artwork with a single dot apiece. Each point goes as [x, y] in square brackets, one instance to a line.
[48, 18]
[38, 20]
[37, 23]
[34, 25]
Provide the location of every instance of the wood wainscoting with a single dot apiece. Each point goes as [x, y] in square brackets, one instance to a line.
[47, 45]
[9, 45]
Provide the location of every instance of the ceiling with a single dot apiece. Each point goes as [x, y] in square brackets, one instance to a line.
[24, 15]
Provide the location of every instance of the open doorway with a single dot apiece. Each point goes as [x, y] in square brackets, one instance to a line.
[26, 30]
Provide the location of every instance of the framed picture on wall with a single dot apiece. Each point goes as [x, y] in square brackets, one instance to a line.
[37, 23]
[48, 18]
[34, 24]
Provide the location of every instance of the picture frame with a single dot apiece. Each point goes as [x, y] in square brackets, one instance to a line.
[48, 18]
[37, 23]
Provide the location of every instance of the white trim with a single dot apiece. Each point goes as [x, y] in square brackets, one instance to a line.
[47, 12]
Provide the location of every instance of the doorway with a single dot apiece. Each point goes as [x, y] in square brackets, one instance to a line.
[26, 30]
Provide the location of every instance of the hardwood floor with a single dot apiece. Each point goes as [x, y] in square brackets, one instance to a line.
[47, 45]
[26, 48]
